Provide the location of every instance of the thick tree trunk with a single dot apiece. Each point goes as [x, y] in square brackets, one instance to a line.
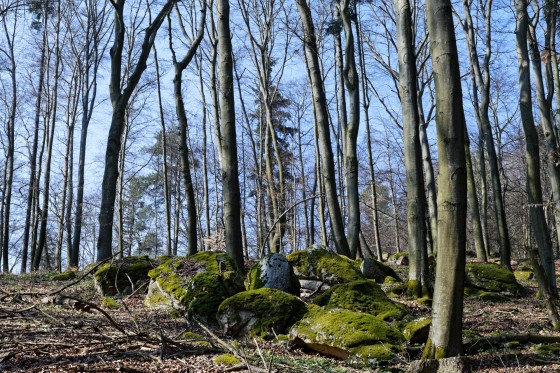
[418, 281]
[445, 338]
[321, 117]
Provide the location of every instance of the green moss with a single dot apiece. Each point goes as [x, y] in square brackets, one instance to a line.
[361, 296]
[273, 310]
[489, 296]
[197, 284]
[122, 275]
[64, 276]
[513, 344]
[524, 275]
[110, 303]
[491, 277]
[377, 352]
[440, 353]
[548, 349]
[325, 266]
[253, 278]
[427, 353]
[417, 331]
[345, 329]
[390, 280]
[227, 359]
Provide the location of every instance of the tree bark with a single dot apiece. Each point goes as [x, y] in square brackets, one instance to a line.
[418, 280]
[321, 117]
[119, 100]
[445, 338]
[228, 141]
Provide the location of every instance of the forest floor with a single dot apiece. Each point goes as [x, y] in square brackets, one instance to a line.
[41, 331]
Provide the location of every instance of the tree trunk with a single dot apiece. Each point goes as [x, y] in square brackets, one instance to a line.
[482, 82]
[418, 281]
[445, 338]
[33, 187]
[321, 117]
[544, 257]
[351, 129]
[228, 141]
[119, 99]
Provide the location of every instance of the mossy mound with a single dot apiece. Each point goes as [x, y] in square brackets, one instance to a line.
[491, 278]
[122, 276]
[341, 333]
[417, 331]
[375, 270]
[320, 268]
[262, 312]
[362, 296]
[524, 275]
[274, 272]
[64, 276]
[194, 285]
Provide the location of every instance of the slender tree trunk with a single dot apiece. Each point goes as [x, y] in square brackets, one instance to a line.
[10, 151]
[418, 281]
[33, 187]
[544, 260]
[119, 98]
[445, 338]
[473, 204]
[351, 131]
[50, 141]
[482, 82]
[228, 141]
[320, 102]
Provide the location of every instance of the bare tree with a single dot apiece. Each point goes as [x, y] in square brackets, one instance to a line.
[120, 97]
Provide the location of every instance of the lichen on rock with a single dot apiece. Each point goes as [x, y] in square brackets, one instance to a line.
[362, 296]
[262, 312]
[340, 332]
[122, 276]
[194, 285]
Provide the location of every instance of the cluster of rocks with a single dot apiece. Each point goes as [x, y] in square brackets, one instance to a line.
[313, 297]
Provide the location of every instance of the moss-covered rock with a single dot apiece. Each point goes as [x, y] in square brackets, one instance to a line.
[319, 268]
[375, 270]
[362, 296]
[123, 276]
[274, 272]
[417, 331]
[491, 278]
[261, 312]
[341, 333]
[524, 275]
[64, 276]
[195, 285]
